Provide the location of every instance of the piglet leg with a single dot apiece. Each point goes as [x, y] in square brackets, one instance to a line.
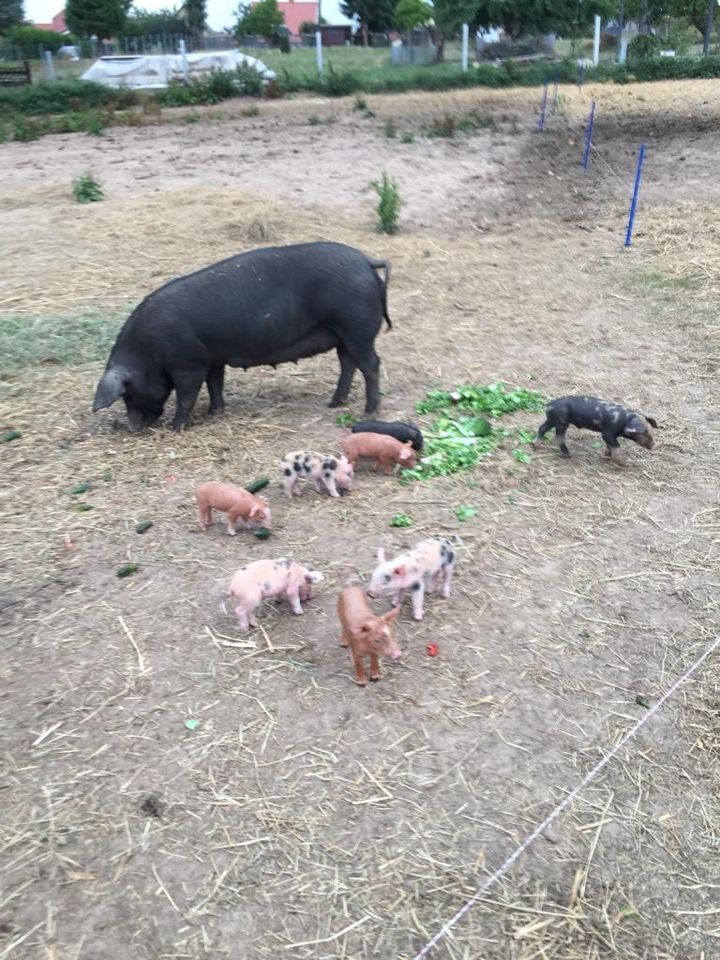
[398, 598]
[242, 618]
[360, 675]
[294, 598]
[374, 667]
[447, 578]
[331, 488]
[417, 601]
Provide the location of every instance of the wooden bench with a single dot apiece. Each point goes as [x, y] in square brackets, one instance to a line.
[15, 76]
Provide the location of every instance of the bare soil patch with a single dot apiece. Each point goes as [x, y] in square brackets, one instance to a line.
[302, 816]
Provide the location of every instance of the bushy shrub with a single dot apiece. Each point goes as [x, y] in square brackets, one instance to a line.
[30, 40]
[643, 47]
[56, 96]
[339, 83]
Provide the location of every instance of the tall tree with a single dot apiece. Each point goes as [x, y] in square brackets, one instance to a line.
[11, 13]
[262, 19]
[195, 14]
[374, 16]
[536, 17]
[96, 18]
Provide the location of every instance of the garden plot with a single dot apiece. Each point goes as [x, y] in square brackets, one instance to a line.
[177, 789]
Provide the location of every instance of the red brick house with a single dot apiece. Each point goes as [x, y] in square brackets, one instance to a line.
[56, 25]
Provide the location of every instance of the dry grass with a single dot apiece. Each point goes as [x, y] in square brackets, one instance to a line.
[303, 817]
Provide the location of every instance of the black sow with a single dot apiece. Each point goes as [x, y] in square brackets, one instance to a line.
[267, 306]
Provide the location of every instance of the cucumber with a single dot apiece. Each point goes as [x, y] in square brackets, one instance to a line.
[143, 526]
[127, 569]
[82, 507]
[81, 488]
[262, 533]
[258, 484]
[15, 435]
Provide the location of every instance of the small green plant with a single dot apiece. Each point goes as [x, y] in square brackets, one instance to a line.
[344, 419]
[465, 513]
[24, 130]
[401, 520]
[521, 456]
[388, 205]
[369, 114]
[444, 127]
[94, 124]
[360, 103]
[407, 137]
[3, 132]
[314, 120]
[390, 130]
[87, 190]
[192, 117]
[251, 112]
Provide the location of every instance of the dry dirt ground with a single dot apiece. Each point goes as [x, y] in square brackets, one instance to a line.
[302, 816]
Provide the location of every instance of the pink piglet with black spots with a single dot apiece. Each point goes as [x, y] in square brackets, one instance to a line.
[428, 565]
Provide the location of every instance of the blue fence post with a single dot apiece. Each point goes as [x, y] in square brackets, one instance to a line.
[636, 190]
[543, 106]
[588, 138]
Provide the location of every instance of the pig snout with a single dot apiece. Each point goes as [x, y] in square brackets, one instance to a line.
[394, 654]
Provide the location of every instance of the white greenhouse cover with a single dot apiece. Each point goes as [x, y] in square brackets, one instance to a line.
[150, 72]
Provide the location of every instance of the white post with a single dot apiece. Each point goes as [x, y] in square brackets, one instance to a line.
[623, 49]
[49, 66]
[596, 42]
[465, 33]
[318, 53]
[183, 60]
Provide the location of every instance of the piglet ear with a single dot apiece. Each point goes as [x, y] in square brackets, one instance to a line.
[400, 571]
[405, 453]
[381, 555]
[635, 425]
[314, 576]
[653, 423]
[391, 615]
[361, 631]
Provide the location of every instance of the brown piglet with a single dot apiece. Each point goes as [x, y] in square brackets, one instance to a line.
[365, 633]
[237, 503]
[386, 451]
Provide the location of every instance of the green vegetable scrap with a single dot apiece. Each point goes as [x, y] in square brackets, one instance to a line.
[143, 526]
[83, 507]
[464, 433]
[10, 435]
[465, 513]
[344, 419]
[262, 533]
[191, 724]
[81, 488]
[401, 520]
[127, 569]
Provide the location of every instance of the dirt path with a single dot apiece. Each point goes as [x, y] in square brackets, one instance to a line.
[301, 816]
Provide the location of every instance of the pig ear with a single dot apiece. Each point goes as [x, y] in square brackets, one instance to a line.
[635, 425]
[653, 423]
[111, 388]
[400, 571]
[361, 631]
[381, 555]
[391, 615]
[405, 453]
[314, 576]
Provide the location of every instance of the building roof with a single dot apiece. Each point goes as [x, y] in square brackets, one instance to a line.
[56, 25]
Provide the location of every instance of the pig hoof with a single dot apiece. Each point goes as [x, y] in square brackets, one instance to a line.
[361, 683]
[374, 679]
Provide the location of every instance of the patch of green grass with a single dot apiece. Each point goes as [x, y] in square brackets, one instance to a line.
[390, 129]
[401, 520]
[344, 419]
[87, 190]
[651, 279]
[360, 103]
[407, 137]
[251, 112]
[66, 341]
[464, 432]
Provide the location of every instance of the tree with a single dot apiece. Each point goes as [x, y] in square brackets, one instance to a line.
[11, 13]
[195, 14]
[144, 23]
[261, 20]
[536, 17]
[374, 16]
[97, 18]
[412, 13]
[28, 40]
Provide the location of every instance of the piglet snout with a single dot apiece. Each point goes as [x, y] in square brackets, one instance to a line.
[395, 655]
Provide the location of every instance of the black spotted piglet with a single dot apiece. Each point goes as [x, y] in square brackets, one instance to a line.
[608, 419]
[326, 472]
[428, 565]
